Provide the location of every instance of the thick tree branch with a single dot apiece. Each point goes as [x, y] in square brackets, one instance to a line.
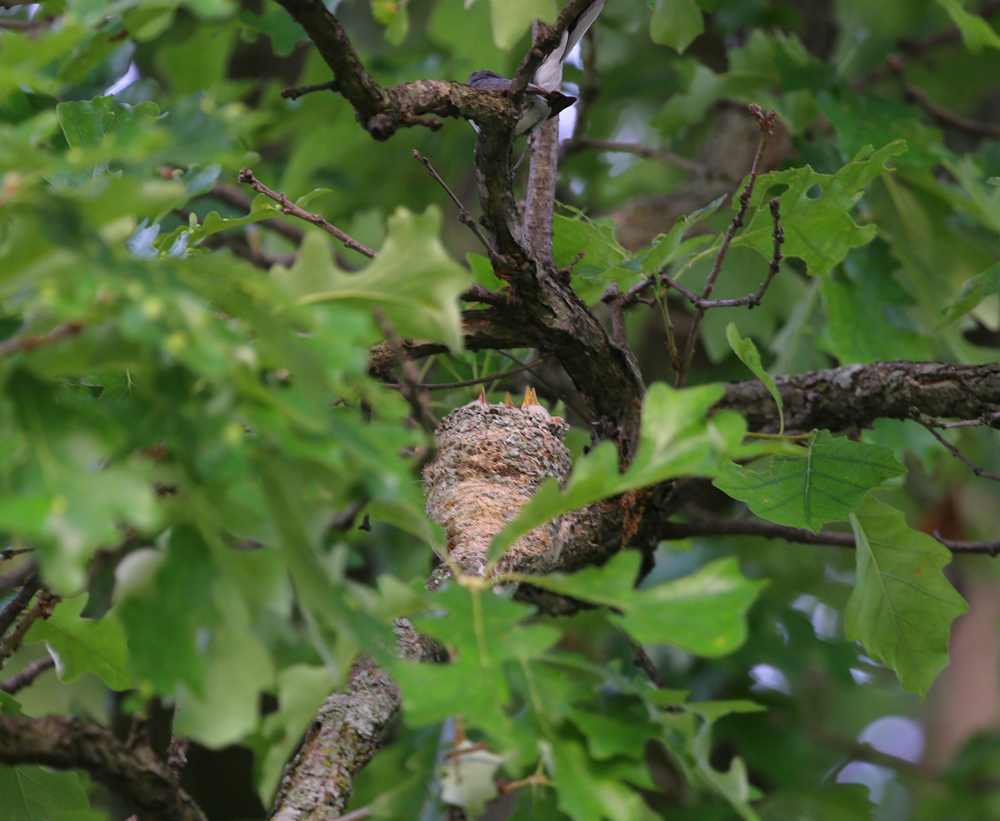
[854, 396]
[382, 111]
[68, 743]
[342, 739]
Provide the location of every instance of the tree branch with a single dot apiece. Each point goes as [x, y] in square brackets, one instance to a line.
[287, 206]
[341, 740]
[382, 111]
[854, 396]
[769, 530]
[766, 122]
[68, 743]
[19, 681]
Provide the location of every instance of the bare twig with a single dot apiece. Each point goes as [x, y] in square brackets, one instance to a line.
[12, 609]
[295, 93]
[463, 213]
[913, 49]
[750, 300]
[25, 25]
[766, 122]
[41, 609]
[287, 206]
[987, 419]
[769, 530]
[28, 343]
[19, 681]
[231, 195]
[939, 112]
[980, 472]
[440, 386]
[8, 553]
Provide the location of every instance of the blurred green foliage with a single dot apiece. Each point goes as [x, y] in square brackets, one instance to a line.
[184, 409]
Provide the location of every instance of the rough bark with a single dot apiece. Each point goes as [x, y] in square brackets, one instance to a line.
[854, 396]
[65, 743]
[342, 738]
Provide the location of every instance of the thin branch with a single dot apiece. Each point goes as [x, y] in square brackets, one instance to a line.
[768, 530]
[68, 743]
[766, 122]
[980, 472]
[287, 206]
[12, 609]
[25, 25]
[440, 386]
[8, 553]
[913, 49]
[642, 151]
[987, 419]
[295, 93]
[750, 300]
[28, 343]
[41, 609]
[19, 681]
[939, 112]
[463, 213]
[231, 195]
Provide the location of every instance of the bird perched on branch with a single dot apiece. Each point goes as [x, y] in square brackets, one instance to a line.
[542, 98]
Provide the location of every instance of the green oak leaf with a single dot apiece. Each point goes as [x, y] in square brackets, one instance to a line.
[590, 790]
[749, 356]
[976, 30]
[81, 645]
[413, 281]
[819, 230]
[30, 793]
[676, 23]
[826, 480]
[677, 438]
[902, 606]
[704, 613]
[974, 291]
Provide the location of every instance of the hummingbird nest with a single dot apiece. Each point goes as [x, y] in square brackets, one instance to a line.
[490, 460]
